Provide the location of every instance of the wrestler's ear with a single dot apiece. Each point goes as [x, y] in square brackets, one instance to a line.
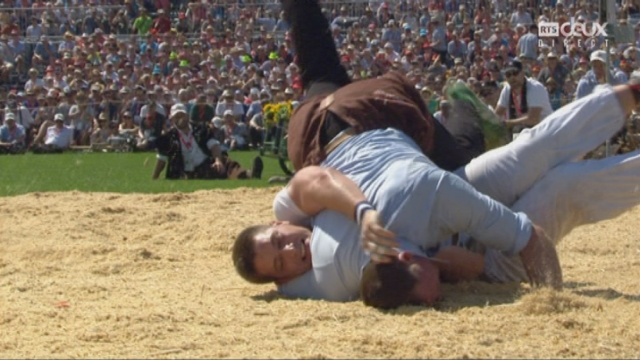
[277, 222]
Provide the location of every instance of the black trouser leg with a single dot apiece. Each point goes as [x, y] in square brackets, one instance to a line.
[256, 137]
[317, 57]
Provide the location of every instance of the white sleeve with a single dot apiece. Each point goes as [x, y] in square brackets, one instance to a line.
[504, 97]
[537, 96]
[285, 209]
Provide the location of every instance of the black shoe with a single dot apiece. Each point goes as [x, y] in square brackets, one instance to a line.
[256, 169]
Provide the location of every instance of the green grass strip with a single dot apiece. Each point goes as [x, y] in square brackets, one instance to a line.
[110, 172]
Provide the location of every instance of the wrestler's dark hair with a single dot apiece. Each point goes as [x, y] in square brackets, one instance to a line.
[244, 255]
[386, 286]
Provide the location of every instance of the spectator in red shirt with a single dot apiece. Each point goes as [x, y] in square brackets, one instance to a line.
[11, 27]
[161, 24]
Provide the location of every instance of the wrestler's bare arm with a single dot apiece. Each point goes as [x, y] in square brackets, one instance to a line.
[459, 264]
[314, 189]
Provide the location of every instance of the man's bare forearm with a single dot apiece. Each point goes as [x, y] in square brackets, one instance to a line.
[314, 189]
[524, 120]
[458, 264]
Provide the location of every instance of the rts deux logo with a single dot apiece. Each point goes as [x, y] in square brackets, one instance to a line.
[572, 29]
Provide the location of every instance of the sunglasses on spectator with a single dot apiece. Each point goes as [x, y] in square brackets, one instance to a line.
[511, 73]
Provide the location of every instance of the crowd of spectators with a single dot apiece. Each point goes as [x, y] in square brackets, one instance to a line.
[96, 72]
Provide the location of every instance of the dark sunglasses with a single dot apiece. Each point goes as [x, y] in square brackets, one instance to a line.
[511, 73]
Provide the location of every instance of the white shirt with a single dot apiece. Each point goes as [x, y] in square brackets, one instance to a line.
[61, 138]
[537, 96]
[192, 155]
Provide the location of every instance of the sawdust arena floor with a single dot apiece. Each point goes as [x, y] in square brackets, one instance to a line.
[96, 275]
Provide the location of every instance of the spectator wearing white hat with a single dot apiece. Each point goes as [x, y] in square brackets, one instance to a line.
[235, 134]
[228, 103]
[54, 138]
[190, 151]
[596, 76]
[12, 136]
